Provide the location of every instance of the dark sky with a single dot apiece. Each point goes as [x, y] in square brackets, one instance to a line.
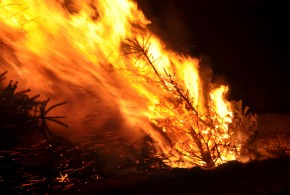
[245, 42]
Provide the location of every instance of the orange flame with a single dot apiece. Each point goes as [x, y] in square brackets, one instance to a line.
[60, 47]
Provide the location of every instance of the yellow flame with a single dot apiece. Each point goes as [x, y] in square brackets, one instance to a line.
[221, 105]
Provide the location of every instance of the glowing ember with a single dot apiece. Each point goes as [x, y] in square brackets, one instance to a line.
[58, 47]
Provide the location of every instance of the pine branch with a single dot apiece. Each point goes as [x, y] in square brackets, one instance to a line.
[18, 110]
[209, 146]
[141, 50]
[134, 47]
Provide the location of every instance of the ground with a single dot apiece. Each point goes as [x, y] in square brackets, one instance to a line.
[30, 171]
[263, 177]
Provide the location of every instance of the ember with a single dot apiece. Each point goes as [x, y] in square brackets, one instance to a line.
[103, 49]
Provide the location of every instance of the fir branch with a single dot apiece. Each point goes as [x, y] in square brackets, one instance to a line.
[209, 151]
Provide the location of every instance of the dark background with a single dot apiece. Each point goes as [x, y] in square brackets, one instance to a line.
[246, 43]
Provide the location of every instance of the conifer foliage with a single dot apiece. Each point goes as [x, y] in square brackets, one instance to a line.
[21, 115]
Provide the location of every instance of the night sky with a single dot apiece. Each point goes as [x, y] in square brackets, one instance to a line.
[246, 44]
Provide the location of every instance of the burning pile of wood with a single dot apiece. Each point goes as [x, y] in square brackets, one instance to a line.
[24, 117]
[60, 48]
[157, 92]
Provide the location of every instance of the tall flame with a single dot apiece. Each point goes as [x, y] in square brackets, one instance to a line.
[67, 49]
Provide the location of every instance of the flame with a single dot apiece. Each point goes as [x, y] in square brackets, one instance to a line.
[59, 47]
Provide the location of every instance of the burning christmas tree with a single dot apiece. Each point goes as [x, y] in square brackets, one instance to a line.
[101, 57]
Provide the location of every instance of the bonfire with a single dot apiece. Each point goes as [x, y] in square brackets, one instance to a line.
[122, 84]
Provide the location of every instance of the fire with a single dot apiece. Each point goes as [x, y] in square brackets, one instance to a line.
[58, 46]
